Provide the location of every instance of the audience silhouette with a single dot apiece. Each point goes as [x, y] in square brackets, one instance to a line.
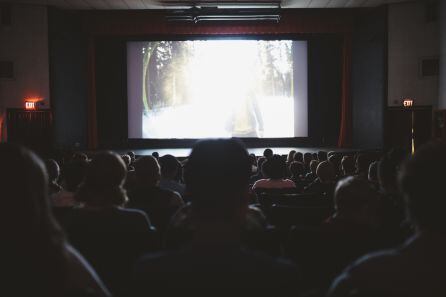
[36, 259]
[109, 235]
[274, 170]
[215, 258]
[146, 194]
[417, 267]
[170, 171]
[127, 217]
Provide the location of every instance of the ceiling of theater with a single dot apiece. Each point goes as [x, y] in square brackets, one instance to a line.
[153, 4]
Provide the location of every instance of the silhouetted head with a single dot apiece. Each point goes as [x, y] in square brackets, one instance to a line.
[103, 183]
[80, 157]
[348, 165]
[325, 172]
[132, 155]
[156, 155]
[260, 162]
[53, 170]
[274, 167]
[290, 157]
[307, 159]
[127, 160]
[422, 180]
[268, 153]
[373, 172]
[335, 159]
[74, 174]
[299, 157]
[322, 156]
[297, 168]
[32, 242]
[169, 166]
[363, 162]
[147, 171]
[24, 185]
[388, 169]
[253, 159]
[355, 197]
[313, 166]
[218, 186]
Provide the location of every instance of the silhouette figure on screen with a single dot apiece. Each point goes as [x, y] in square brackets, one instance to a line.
[246, 119]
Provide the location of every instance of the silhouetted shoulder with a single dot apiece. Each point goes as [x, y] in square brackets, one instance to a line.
[415, 269]
[229, 268]
[357, 277]
[81, 275]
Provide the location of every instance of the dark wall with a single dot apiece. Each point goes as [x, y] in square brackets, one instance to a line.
[68, 78]
[400, 122]
[324, 76]
[369, 80]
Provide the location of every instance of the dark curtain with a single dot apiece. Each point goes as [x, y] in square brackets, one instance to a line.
[92, 119]
[324, 89]
[345, 133]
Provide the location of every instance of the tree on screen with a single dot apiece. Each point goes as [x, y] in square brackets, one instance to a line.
[167, 65]
[163, 73]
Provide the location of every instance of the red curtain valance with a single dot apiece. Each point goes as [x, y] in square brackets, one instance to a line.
[293, 21]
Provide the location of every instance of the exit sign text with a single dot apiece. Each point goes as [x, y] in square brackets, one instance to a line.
[408, 102]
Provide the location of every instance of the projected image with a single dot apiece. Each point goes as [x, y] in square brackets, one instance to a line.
[216, 88]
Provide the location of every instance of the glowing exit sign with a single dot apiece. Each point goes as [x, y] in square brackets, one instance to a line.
[29, 105]
[408, 102]
[33, 103]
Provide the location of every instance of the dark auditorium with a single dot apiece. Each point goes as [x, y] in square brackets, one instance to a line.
[223, 147]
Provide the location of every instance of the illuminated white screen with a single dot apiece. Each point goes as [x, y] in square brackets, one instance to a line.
[217, 88]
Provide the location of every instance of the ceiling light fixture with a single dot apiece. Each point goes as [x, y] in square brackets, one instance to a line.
[201, 13]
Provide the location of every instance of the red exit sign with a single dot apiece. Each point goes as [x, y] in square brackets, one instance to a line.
[33, 103]
[29, 105]
[408, 102]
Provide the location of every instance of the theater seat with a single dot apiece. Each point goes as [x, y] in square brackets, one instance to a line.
[284, 216]
[276, 191]
[267, 199]
[113, 254]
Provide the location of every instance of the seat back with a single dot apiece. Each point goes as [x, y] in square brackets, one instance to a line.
[267, 199]
[285, 208]
[285, 216]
